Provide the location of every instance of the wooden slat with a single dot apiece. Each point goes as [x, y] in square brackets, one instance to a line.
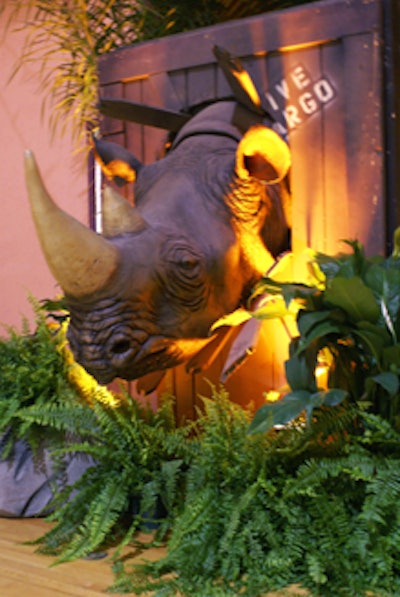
[200, 85]
[338, 225]
[307, 24]
[111, 126]
[154, 138]
[364, 140]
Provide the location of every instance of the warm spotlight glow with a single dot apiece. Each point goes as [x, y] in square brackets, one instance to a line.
[272, 396]
[324, 360]
[79, 378]
[321, 374]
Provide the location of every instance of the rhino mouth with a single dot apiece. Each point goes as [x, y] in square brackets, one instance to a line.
[156, 354]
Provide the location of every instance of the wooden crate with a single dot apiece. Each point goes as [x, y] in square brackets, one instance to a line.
[324, 71]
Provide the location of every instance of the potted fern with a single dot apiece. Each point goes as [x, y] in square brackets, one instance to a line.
[140, 457]
[35, 394]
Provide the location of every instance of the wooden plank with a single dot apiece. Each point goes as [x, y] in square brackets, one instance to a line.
[337, 200]
[201, 86]
[179, 85]
[183, 388]
[167, 96]
[391, 73]
[23, 570]
[308, 24]
[306, 144]
[364, 142]
[153, 139]
[134, 132]
[264, 370]
[111, 126]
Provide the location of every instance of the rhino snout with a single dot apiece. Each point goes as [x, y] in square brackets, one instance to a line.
[121, 349]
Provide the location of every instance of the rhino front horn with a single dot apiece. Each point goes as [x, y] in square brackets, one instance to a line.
[81, 261]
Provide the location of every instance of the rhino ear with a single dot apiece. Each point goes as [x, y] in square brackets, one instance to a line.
[262, 154]
[117, 162]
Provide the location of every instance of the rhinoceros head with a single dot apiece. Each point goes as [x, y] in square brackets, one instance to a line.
[206, 224]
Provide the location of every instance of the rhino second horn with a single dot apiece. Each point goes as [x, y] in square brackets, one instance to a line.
[81, 261]
[262, 154]
[119, 216]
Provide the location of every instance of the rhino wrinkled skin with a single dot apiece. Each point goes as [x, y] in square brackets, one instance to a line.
[208, 222]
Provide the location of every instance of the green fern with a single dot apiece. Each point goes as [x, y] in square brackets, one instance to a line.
[34, 386]
[267, 511]
[134, 463]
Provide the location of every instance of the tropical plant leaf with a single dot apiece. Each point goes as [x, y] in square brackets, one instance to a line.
[354, 297]
[300, 367]
[391, 358]
[329, 398]
[280, 412]
[389, 382]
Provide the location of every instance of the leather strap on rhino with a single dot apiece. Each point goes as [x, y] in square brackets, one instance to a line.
[249, 109]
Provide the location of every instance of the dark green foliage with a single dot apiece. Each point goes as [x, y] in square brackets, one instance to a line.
[308, 505]
[307, 492]
[138, 462]
[354, 320]
[34, 386]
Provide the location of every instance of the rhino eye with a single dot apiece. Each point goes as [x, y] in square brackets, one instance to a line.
[188, 263]
[184, 277]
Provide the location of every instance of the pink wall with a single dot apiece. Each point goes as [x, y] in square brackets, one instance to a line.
[23, 270]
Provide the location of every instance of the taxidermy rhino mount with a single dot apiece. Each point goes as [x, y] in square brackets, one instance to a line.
[208, 221]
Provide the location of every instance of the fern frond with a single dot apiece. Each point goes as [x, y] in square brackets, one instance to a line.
[98, 521]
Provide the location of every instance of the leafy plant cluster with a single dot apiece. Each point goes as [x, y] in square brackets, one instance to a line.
[350, 319]
[50, 402]
[138, 461]
[306, 492]
[301, 506]
[34, 381]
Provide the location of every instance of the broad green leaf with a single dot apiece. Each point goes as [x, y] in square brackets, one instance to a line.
[346, 265]
[266, 286]
[318, 330]
[299, 370]
[323, 398]
[384, 281]
[272, 307]
[373, 337]
[391, 357]
[232, 319]
[329, 266]
[279, 413]
[389, 382]
[308, 319]
[334, 396]
[354, 297]
[305, 296]
[301, 293]
[291, 406]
